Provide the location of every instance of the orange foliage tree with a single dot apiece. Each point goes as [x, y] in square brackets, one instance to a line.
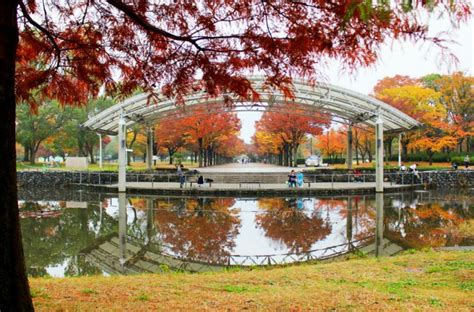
[206, 129]
[457, 96]
[424, 105]
[287, 127]
[69, 49]
[169, 136]
[332, 143]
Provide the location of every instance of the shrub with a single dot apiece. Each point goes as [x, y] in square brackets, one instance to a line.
[333, 161]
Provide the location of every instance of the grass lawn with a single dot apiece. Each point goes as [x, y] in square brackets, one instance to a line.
[425, 280]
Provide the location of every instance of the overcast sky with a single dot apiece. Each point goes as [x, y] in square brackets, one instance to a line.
[400, 58]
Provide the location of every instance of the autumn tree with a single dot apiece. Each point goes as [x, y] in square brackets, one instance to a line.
[34, 129]
[332, 143]
[169, 135]
[457, 97]
[289, 125]
[424, 105]
[363, 139]
[69, 50]
[204, 127]
[136, 142]
[267, 146]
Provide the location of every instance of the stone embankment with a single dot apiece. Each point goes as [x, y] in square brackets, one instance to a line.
[434, 179]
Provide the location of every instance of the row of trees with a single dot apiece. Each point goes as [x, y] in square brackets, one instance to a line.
[56, 130]
[211, 135]
[443, 103]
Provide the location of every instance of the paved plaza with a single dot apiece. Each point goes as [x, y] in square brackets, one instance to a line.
[250, 167]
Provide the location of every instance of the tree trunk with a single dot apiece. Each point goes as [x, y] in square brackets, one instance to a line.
[404, 152]
[170, 154]
[200, 152]
[91, 155]
[14, 289]
[295, 156]
[460, 141]
[32, 156]
[430, 156]
[357, 155]
[26, 155]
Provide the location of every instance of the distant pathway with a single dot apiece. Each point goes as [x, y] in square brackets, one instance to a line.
[251, 167]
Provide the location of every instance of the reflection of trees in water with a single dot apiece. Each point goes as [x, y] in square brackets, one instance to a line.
[202, 229]
[297, 230]
[361, 216]
[52, 241]
[427, 224]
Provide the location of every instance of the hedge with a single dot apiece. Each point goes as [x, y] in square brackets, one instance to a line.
[437, 157]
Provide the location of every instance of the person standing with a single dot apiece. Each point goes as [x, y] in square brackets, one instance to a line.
[181, 177]
[466, 161]
[413, 170]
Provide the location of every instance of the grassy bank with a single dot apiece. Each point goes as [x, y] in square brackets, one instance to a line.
[414, 281]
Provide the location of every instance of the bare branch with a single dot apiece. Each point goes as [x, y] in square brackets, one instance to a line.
[47, 33]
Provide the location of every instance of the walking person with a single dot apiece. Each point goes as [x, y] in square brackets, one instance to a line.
[413, 170]
[466, 161]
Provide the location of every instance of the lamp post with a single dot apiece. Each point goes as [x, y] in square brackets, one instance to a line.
[400, 149]
[100, 150]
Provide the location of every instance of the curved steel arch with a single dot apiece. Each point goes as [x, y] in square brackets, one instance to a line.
[353, 107]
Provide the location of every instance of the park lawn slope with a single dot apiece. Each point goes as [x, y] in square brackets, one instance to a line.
[426, 280]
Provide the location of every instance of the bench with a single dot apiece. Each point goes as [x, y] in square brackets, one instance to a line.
[191, 181]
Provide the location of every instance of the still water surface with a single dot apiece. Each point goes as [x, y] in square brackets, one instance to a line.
[75, 233]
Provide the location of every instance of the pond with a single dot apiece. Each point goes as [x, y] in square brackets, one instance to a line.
[74, 232]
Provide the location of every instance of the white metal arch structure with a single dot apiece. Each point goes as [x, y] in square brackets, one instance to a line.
[349, 106]
[342, 104]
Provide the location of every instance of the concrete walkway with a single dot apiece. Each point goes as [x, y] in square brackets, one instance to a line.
[320, 188]
[251, 167]
[263, 186]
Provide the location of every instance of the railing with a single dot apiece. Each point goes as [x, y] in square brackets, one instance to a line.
[286, 258]
[398, 178]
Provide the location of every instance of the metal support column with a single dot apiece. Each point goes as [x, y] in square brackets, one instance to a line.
[349, 222]
[149, 148]
[122, 155]
[122, 201]
[379, 155]
[349, 148]
[379, 224]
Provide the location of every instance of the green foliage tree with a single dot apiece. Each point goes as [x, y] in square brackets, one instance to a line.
[34, 128]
